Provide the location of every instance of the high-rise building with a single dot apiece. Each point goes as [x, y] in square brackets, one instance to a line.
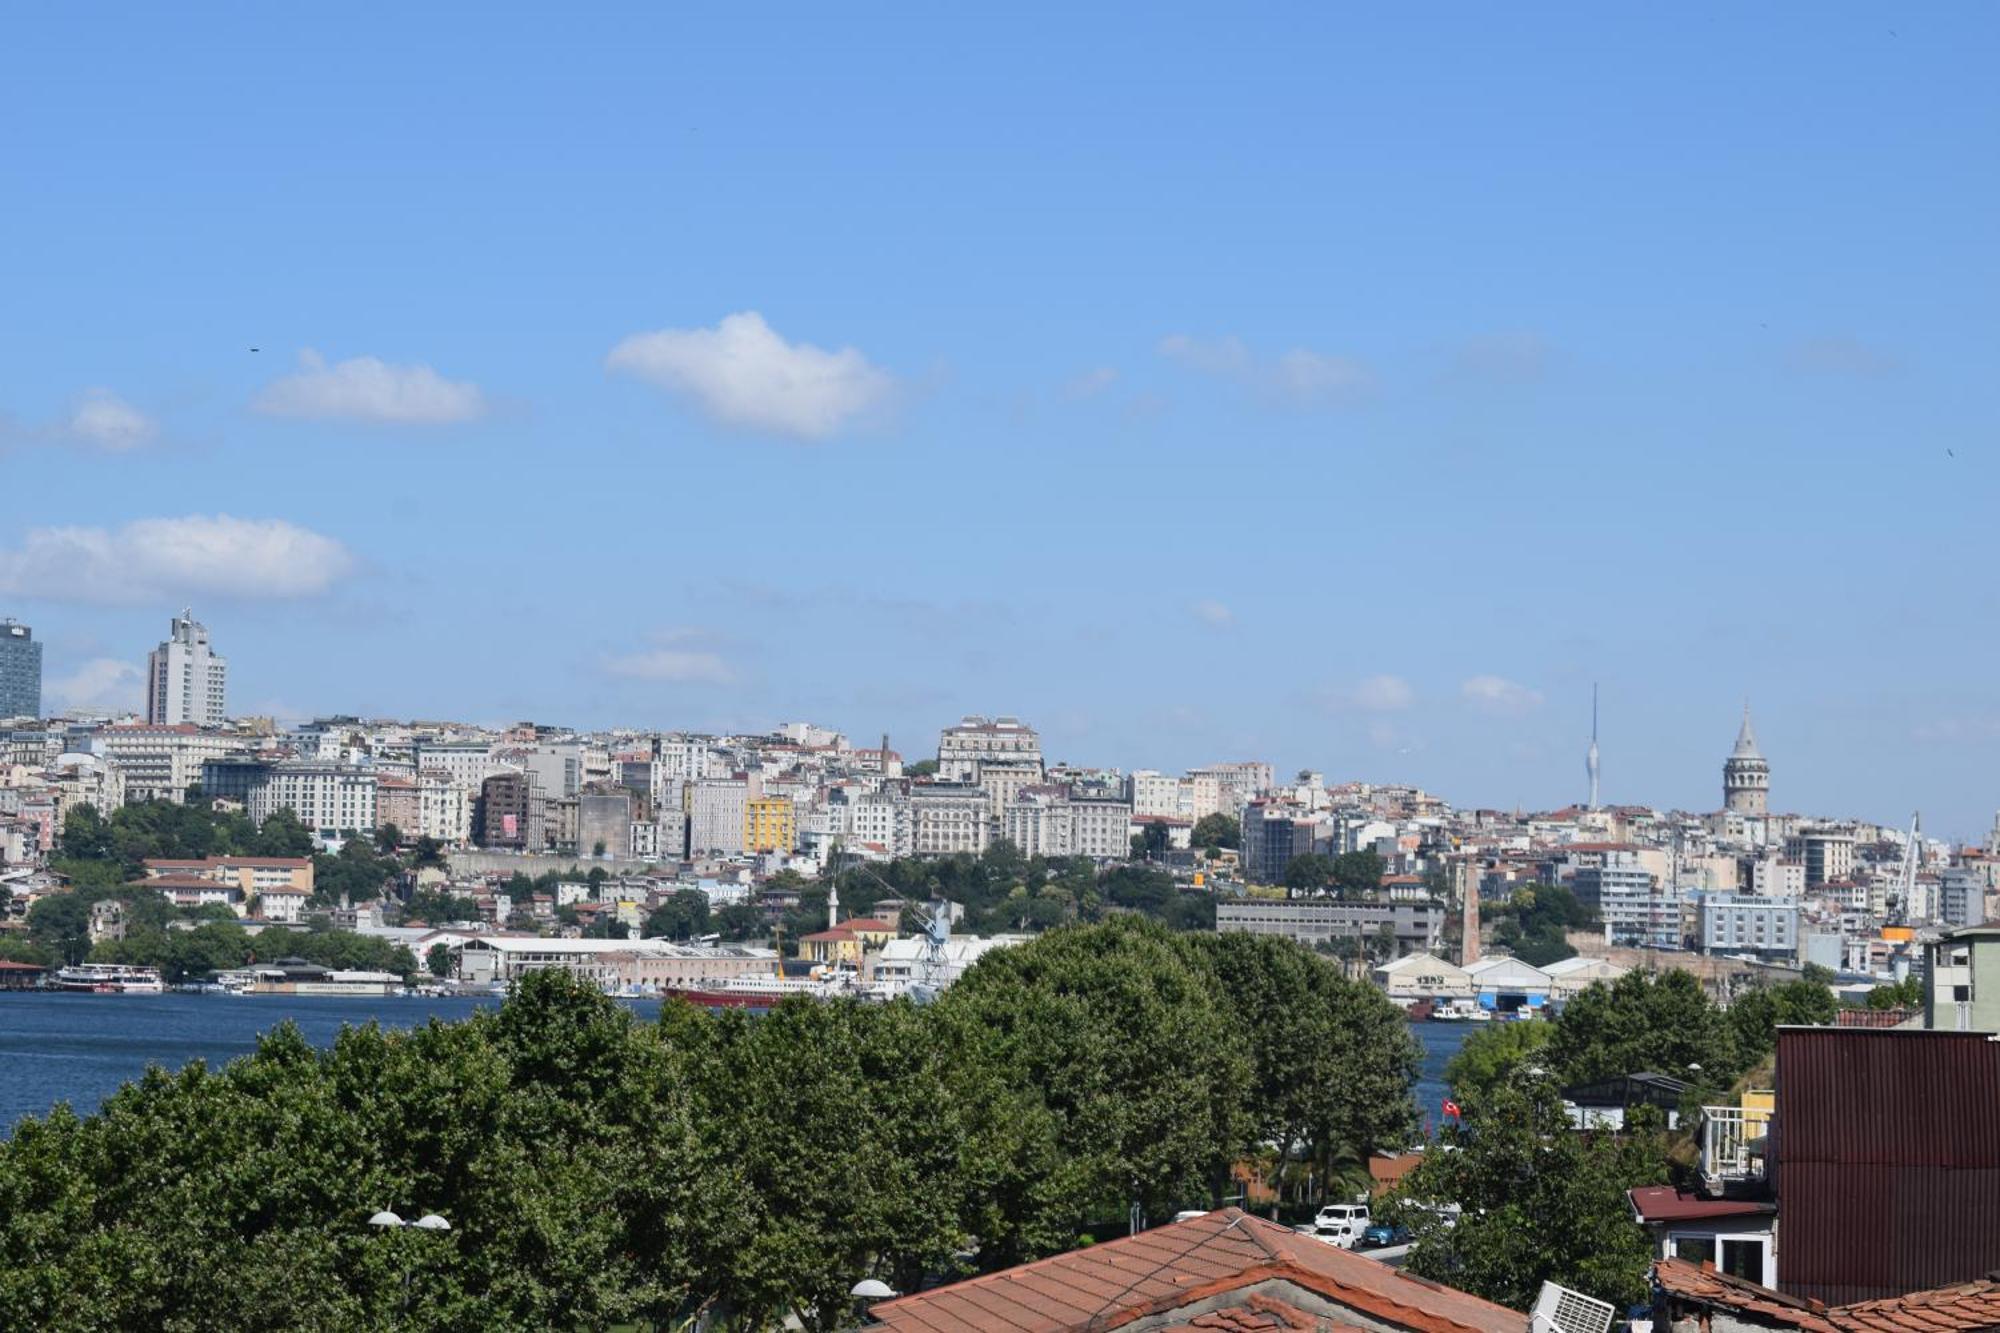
[185, 677]
[1746, 777]
[20, 671]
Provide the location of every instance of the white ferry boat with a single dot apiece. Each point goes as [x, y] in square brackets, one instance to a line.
[109, 979]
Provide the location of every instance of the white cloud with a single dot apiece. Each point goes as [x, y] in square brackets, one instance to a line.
[163, 558]
[1300, 377]
[1376, 694]
[1211, 612]
[1091, 383]
[681, 666]
[101, 685]
[743, 374]
[1497, 694]
[364, 388]
[106, 421]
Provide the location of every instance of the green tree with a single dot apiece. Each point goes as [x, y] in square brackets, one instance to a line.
[60, 923]
[1662, 1022]
[1905, 994]
[1357, 873]
[1534, 923]
[427, 852]
[438, 960]
[86, 835]
[1756, 1015]
[1308, 872]
[435, 907]
[739, 921]
[357, 873]
[845, 1124]
[1132, 1073]
[1492, 1055]
[680, 917]
[1540, 1200]
[1217, 830]
[281, 834]
[387, 839]
[1332, 1060]
[14, 950]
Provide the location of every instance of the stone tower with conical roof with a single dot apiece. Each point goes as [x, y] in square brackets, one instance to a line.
[1746, 777]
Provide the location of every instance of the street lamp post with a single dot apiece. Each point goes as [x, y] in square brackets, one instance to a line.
[868, 1291]
[428, 1222]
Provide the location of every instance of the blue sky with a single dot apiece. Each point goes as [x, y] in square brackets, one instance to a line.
[1345, 387]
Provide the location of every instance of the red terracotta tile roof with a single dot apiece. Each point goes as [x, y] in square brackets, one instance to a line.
[1664, 1203]
[1695, 1282]
[1969, 1305]
[1959, 1308]
[182, 882]
[211, 862]
[1188, 1263]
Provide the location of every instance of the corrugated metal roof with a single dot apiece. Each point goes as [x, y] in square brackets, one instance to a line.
[1888, 1161]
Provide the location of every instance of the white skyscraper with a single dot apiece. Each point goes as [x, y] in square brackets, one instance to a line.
[184, 677]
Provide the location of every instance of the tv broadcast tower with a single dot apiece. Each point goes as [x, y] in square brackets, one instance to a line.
[1590, 758]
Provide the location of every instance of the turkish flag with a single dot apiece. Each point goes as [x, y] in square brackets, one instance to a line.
[1450, 1107]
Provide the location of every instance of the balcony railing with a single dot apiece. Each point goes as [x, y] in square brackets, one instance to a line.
[1732, 1146]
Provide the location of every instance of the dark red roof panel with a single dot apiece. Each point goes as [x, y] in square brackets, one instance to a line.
[1664, 1203]
[1888, 1161]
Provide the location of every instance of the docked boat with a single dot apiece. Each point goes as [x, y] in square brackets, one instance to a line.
[294, 976]
[760, 994]
[108, 979]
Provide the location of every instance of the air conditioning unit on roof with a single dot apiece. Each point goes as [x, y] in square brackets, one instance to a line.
[1560, 1310]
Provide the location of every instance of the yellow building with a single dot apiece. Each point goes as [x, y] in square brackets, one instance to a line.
[770, 825]
[847, 943]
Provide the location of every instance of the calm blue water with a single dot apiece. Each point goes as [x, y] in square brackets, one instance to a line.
[81, 1048]
[1440, 1042]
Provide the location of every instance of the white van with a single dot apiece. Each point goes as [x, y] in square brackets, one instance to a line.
[1341, 1224]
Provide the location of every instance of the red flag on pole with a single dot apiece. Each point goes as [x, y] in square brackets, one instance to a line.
[1450, 1107]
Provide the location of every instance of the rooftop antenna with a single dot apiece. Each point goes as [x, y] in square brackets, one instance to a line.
[1590, 758]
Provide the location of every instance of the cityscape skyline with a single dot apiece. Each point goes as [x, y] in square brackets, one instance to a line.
[1745, 781]
[1452, 380]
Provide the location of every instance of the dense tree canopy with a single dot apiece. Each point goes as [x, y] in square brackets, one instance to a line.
[598, 1170]
[1540, 1200]
[1217, 830]
[1003, 891]
[1534, 923]
[681, 917]
[1662, 1022]
[1491, 1055]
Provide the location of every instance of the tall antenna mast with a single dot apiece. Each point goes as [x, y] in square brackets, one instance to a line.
[1590, 758]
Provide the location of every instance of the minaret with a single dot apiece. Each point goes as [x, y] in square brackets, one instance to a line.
[1746, 777]
[1590, 758]
[832, 903]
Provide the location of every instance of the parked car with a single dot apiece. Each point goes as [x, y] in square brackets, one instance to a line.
[1341, 1224]
[1379, 1234]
